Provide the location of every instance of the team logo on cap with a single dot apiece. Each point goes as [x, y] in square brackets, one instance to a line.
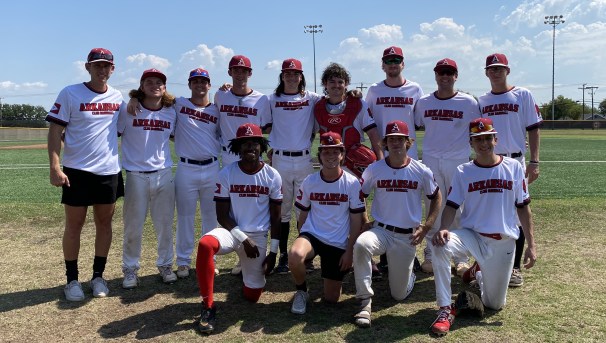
[330, 140]
[292, 65]
[392, 51]
[480, 124]
[444, 62]
[249, 131]
[495, 59]
[395, 128]
[241, 63]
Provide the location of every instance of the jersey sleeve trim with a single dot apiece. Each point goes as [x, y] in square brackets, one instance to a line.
[534, 126]
[524, 203]
[55, 121]
[275, 201]
[452, 204]
[302, 208]
[369, 127]
[222, 199]
[357, 210]
[432, 196]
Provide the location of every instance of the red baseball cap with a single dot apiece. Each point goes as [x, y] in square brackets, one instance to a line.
[249, 130]
[292, 64]
[393, 51]
[481, 126]
[446, 63]
[240, 61]
[153, 72]
[198, 72]
[100, 55]
[396, 128]
[331, 140]
[497, 60]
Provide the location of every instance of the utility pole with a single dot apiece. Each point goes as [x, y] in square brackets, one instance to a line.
[313, 29]
[583, 90]
[1, 111]
[361, 87]
[553, 20]
[592, 90]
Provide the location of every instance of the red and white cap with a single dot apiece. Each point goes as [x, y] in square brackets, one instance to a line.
[331, 140]
[240, 61]
[446, 63]
[396, 128]
[292, 64]
[249, 130]
[153, 72]
[480, 127]
[100, 55]
[198, 72]
[497, 60]
[392, 51]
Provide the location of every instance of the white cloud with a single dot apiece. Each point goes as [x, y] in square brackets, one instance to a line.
[207, 57]
[382, 33]
[25, 86]
[274, 65]
[142, 59]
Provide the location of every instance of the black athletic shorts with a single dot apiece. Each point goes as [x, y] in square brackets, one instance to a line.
[330, 257]
[87, 189]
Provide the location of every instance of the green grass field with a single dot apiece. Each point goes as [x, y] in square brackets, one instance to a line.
[561, 300]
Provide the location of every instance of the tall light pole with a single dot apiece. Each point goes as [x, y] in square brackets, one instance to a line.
[553, 20]
[313, 29]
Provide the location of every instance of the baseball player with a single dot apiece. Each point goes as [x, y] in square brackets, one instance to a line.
[398, 182]
[493, 189]
[87, 114]
[248, 197]
[394, 99]
[146, 157]
[515, 112]
[330, 220]
[292, 129]
[445, 114]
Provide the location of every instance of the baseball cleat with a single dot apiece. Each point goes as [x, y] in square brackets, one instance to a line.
[207, 322]
[446, 316]
[516, 279]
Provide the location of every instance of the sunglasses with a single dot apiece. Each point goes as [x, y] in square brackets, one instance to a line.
[448, 72]
[393, 61]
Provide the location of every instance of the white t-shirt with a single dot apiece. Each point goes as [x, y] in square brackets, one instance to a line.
[446, 124]
[197, 130]
[237, 110]
[249, 195]
[91, 137]
[145, 138]
[513, 113]
[490, 195]
[292, 120]
[329, 205]
[398, 191]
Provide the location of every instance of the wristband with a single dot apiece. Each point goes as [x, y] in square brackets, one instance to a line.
[238, 234]
[273, 247]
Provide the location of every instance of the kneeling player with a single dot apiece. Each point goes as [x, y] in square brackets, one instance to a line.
[329, 223]
[399, 182]
[248, 198]
[493, 188]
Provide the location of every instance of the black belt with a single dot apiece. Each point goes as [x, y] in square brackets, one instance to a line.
[514, 155]
[292, 153]
[142, 172]
[395, 229]
[199, 163]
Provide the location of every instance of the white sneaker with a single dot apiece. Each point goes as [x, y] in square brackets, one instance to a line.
[130, 278]
[183, 272]
[237, 269]
[411, 284]
[99, 287]
[299, 303]
[167, 274]
[73, 291]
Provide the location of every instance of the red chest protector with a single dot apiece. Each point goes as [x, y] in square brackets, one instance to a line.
[342, 123]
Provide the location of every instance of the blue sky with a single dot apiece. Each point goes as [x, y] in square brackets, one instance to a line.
[45, 43]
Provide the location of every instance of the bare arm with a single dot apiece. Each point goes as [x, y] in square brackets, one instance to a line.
[432, 215]
[534, 142]
[57, 177]
[355, 227]
[443, 235]
[302, 218]
[375, 141]
[530, 255]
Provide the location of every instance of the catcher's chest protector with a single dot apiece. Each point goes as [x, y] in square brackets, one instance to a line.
[341, 123]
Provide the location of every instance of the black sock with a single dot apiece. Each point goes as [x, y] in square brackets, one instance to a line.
[71, 270]
[284, 232]
[99, 266]
[302, 287]
[519, 250]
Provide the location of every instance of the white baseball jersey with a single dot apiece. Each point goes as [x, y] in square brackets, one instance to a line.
[89, 118]
[236, 110]
[489, 194]
[145, 138]
[397, 191]
[249, 195]
[197, 130]
[395, 103]
[292, 120]
[329, 205]
[446, 124]
[513, 113]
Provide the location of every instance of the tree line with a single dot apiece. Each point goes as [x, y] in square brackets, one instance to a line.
[22, 115]
[568, 109]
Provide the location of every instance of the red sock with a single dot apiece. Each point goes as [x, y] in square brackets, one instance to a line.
[252, 294]
[205, 267]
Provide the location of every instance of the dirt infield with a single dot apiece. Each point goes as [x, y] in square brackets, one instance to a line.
[31, 146]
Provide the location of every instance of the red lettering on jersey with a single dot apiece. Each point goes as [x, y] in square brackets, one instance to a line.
[252, 191]
[238, 111]
[198, 115]
[490, 185]
[440, 114]
[500, 109]
[292, 105]
[101, 108]
[397, 185]
[394, 101]
[332, 197]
